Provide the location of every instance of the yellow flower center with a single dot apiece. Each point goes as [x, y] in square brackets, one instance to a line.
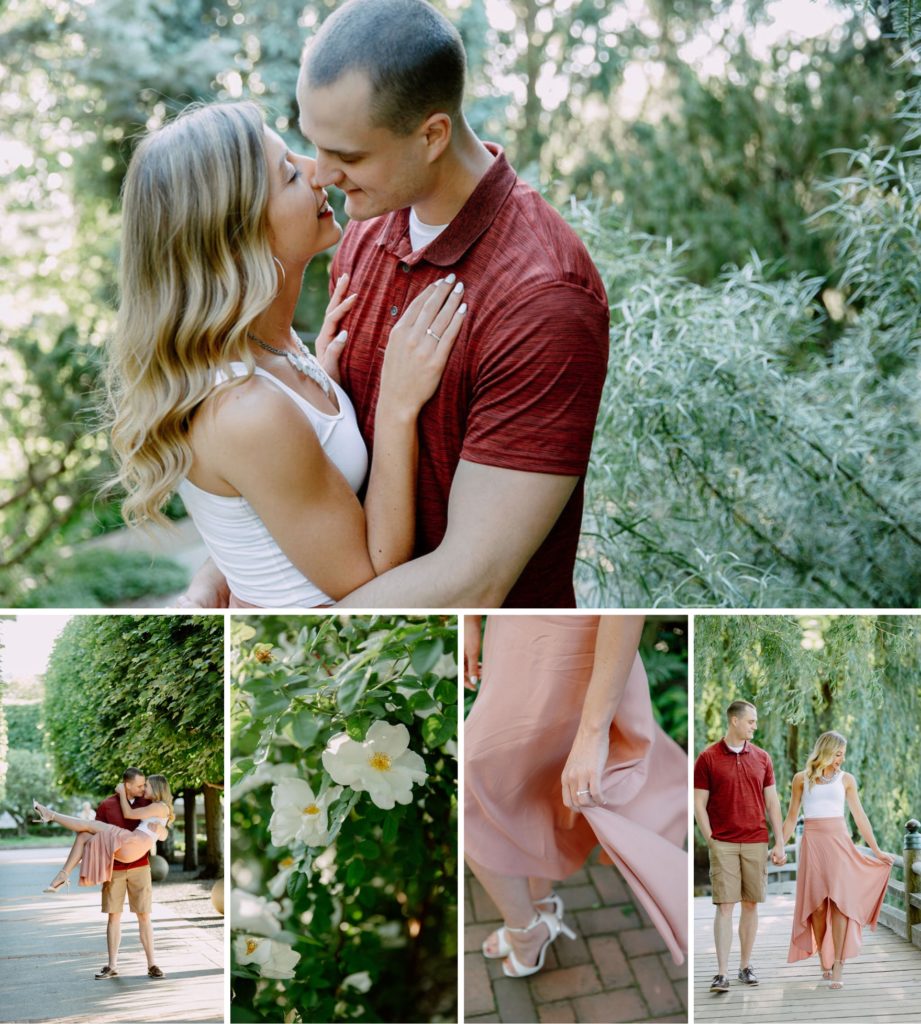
[251, 945]
[286, 863]
[380, 762]
[311, 809]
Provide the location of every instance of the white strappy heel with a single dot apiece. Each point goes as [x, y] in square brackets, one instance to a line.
[503, 946]
[554, 926]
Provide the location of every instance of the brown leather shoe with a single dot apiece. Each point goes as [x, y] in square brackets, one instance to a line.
[106, 972]
[154, 972]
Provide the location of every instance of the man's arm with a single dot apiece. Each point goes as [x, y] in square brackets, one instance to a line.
[701, 799]
[772, 806]
[497, 519]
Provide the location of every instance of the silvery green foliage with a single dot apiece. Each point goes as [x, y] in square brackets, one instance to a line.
[752, 450]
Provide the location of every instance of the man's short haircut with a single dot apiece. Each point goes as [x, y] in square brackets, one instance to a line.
[736, 708]
[131, 773]
[412, 55]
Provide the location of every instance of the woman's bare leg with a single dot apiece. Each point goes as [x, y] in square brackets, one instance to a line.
[838, 934]
[78, 824]
[512, 896]
[76, 852]
[818, 930]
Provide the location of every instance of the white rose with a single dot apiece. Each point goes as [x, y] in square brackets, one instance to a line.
[299, 815]
[274, 959]
[383, 766]
[251, 913]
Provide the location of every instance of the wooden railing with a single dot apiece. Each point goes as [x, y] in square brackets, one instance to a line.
[904, 916]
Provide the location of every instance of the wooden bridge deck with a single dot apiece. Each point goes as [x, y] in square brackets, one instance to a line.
[882, 984]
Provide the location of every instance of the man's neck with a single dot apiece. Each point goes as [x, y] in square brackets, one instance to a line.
[459, 172]
[734, 741]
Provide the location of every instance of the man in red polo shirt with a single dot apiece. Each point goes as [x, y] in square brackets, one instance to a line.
[733, 791]
[505, 442]
[133, 878]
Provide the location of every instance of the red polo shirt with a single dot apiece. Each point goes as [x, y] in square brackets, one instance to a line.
[110, 810]
[736, 783]
[523, 383]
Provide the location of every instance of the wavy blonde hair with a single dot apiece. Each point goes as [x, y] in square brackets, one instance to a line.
[823, 753]
[196, 270]
[160, 793]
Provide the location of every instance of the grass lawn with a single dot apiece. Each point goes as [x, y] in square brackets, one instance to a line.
[10, 842]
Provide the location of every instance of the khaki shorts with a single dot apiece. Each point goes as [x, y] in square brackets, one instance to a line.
[738, 871]
[140, 891]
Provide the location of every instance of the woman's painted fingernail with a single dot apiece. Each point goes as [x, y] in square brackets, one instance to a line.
[341, 336]
[459, 287]
[451, 278]
[462, 308]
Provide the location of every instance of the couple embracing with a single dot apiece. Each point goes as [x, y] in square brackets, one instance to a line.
[114, 849]
[839, 890]
[432, 452]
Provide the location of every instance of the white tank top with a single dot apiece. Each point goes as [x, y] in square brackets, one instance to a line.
[147, 826]
[824, 799]
[256, 569]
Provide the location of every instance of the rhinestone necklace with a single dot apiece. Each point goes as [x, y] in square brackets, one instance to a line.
[303, 360]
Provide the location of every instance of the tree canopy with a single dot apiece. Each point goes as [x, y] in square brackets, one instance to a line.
[144, 690]
[856, 674]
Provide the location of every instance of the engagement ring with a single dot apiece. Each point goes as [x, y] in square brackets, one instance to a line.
[433, 334]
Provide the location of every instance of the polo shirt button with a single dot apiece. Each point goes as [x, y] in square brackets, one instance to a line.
[404, 267]
[394, 310]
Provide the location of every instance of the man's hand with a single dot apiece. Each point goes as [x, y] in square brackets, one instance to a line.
[779, 855]
[208, 589]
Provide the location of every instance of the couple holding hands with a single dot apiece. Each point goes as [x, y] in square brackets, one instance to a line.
[839, 890]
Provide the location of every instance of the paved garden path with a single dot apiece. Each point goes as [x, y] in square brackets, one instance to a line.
[50, 947]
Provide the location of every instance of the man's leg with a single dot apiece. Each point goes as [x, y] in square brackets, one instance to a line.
[145, 931]
[748, 929]
[114, 939]
[722, 935]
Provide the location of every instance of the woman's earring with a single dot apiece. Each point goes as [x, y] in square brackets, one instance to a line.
[282, 269]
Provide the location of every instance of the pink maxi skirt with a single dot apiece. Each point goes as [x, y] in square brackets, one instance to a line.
[536, 670]
[99, 853]
[832, 868]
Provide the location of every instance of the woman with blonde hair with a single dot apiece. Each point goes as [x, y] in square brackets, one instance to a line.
[215, 396]
[98, 844]
[839, 890]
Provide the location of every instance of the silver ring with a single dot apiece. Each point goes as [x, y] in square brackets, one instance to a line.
[582, 792]
[429, 330]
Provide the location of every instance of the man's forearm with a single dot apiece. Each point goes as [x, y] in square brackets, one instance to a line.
[435, 580]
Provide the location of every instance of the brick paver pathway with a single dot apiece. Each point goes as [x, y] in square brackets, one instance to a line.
[617, 970]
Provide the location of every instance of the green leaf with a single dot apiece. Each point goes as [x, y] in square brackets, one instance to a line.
[357, 726]
[446, 691]
[304, 729]
[436, 730]
[425, 654]
[368, 850]
[421, 701]
[349, 691]
[297, 885]
[391, 827]
[355, 873]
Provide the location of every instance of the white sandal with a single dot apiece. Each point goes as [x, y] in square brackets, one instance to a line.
[554, 926]
[503, 946]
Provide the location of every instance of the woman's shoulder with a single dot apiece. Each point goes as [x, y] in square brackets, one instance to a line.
[249, 412]
[799, 778]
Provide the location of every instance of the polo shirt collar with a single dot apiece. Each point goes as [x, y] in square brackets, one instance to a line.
[727, 749]
[474, 217]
